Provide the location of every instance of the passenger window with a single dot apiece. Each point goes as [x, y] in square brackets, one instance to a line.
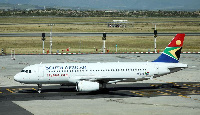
[26, 71]
[29, 71]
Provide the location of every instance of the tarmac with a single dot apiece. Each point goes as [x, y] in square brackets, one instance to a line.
[176, 93]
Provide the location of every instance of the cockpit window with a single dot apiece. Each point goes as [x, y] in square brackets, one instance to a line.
[26, 71]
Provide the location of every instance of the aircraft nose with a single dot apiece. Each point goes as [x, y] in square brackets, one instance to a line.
[17, 77]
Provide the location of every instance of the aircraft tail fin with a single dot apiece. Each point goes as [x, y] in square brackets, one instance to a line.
[172, 52]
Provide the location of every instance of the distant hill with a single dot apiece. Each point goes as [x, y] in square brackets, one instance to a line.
[115, 4]
[7, 6]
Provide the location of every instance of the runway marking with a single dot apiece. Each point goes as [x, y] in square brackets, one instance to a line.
[184, 87]
[184, 96]
[19, 89]
[163, 93]
[10, 90]
[191, 85]
[179, 93]
[136, 93]
[34, 89]
[15, 90]
[150, 93]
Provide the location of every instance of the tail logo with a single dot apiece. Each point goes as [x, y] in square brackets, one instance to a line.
[146, 73]
[171, 51]
[178, 42]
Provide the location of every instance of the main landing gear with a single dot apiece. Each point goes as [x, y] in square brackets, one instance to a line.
[103, 85]
[103, 89]
[39, 88]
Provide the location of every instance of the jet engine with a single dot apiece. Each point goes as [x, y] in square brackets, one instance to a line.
[87, 86]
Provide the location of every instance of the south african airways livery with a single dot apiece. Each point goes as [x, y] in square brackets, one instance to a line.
[93, 76]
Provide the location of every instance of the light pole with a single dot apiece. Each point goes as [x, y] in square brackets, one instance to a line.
[43, 39]
[104, 42]
[155, 36]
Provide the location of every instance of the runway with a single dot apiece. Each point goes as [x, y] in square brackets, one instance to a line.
[176, 93]
[89, 34]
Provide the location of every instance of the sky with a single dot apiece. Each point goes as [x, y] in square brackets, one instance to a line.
[116, 4]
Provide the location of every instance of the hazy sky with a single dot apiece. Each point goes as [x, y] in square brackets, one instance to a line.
[115, 4]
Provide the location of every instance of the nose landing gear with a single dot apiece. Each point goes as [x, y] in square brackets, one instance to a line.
[39, 88]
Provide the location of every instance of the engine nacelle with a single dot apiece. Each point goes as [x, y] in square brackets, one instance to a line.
[87, 86]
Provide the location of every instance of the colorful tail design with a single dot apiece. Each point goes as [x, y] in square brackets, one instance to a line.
[172, 53]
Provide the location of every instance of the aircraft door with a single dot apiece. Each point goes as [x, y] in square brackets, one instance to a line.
[153, 69]
[40, 73]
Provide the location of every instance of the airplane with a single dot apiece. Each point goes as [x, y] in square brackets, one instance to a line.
[93, 76]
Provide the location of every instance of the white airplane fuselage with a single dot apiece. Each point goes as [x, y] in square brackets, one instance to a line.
[64, 73]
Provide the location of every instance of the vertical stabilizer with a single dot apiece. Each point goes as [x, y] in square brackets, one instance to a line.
[172, 52]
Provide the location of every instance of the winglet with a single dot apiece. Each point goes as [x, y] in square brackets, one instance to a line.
[172, 52]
